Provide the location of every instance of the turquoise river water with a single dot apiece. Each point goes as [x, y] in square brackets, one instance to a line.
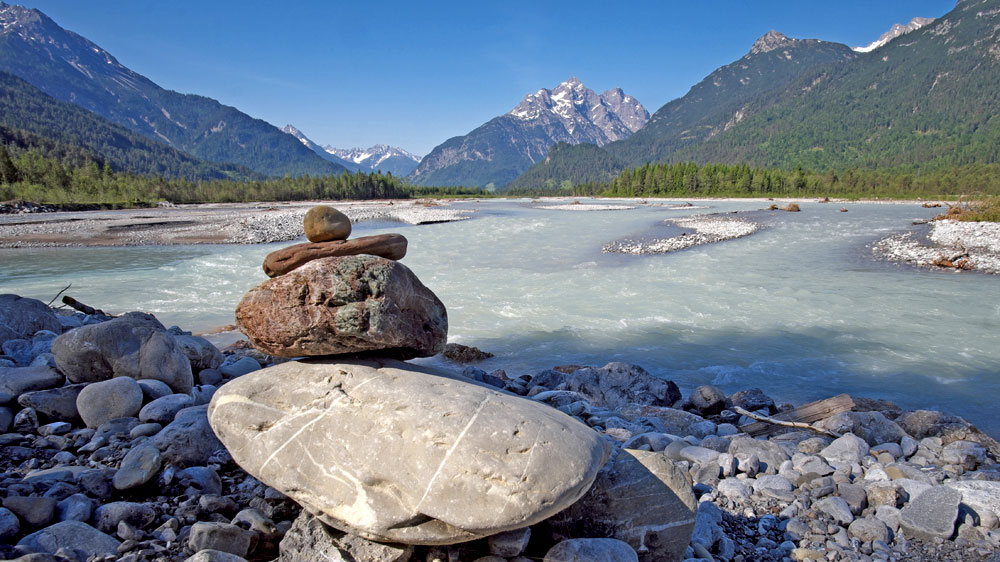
[800, 309]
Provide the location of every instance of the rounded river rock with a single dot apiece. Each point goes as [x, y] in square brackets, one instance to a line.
[350, 304]
[324, 223]
[394, 453]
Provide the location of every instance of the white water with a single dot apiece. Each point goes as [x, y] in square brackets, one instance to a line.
[801, 309]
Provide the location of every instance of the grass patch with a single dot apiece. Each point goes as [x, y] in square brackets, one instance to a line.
[986, 210]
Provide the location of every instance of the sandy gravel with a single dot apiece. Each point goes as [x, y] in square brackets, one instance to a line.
[707, 230]
[203, 224]
[977, 242]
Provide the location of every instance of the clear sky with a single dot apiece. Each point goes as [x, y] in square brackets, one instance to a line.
[413, 74]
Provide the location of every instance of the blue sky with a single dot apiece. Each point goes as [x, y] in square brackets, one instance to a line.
[413, 74]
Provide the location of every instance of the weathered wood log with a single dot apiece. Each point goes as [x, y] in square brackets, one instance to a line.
[389, 246]
[800, 417]
[79, 306]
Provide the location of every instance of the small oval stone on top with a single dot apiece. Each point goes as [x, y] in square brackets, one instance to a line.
[324, 223]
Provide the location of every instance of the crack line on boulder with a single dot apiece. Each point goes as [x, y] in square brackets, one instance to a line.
[311, 422]
[454, 446]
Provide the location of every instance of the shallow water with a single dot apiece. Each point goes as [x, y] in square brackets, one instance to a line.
[801, 309]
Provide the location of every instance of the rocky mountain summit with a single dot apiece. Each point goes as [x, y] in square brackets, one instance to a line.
[897, 30]
[498, 151]
[380, 157]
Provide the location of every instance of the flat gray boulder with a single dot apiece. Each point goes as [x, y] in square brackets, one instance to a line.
[15, 381]
[70, 534]
[641, 498]
[340, 305]
[189, 439]
[21, 317]
[311, 539]
[931, 514]
[395, 453]
[133, 345]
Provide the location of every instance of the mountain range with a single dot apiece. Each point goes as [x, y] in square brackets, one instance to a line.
[923, 99]
[378, 158]
[72, 69]
[495, 153]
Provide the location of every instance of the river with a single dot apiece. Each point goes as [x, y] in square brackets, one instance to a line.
[801, 309]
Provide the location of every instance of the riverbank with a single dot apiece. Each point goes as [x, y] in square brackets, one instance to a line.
[153, 482]
[202, 224]
[949, 244]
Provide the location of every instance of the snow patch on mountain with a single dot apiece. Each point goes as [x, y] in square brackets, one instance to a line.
[895, 31]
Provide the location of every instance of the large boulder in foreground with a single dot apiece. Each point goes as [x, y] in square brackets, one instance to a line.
[133, 345]
[641, 498]
[351, 304]
[394, 453]
[21, 317]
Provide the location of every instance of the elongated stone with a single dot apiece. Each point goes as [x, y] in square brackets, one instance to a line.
[396, 453]
[388, 246]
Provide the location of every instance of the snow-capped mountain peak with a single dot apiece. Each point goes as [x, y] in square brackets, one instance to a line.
[614, 114]
[895, 31]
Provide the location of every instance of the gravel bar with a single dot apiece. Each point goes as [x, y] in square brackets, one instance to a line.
[707, 229]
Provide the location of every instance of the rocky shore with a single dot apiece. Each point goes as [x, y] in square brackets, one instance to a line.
[707, 229]
[955, 245]
[201, 224]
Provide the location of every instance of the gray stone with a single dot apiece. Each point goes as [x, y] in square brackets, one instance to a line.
[478, 462]
[145, 430]
[189, 439]
[613, 386]
[97, 482]
[224, 537]
[103, 401]
[77, 507]
[654, 440]
[811, 463]
[6, 418]
[163, 409]
[139, 466]
[26, 421]
[868, 530]
[134, 345]
[888, 515]
[854, 495]
[509, 543]
[981, 495]
[873, 427]
[753, 399]
[773, 486]
[734, 488]
[849, 449]
[202, 394]
[209, 555]
[892, 448]
[240, 367]
[770, 454]
[210, 376]
[591, 550]
[21, 317]
[967, 454]
[108, 516]
[10, 527]
[19, 350]
[200, 480]
[708, 400]
[931, 514]
[836, 508]
[638, 497]
[929, 423]
[55, 403]
[339, 305]
[670, 420]
[71, 534]
[699, 455]
[310, 539]
[708, 525]
[15, 381]
[33, 510]
[200, 352]
[153, 389]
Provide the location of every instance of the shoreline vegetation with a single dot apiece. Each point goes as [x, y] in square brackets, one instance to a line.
[72, 183]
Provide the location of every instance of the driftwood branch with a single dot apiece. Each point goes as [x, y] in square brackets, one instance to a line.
[783, 423]
[77, 305]
[59, 293]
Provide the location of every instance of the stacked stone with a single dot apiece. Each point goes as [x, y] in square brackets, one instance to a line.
[371, 446]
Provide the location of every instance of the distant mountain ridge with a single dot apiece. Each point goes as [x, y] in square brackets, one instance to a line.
[927, 102]
[70, 68]
[380, 157]
[504, 147]
[897, 30]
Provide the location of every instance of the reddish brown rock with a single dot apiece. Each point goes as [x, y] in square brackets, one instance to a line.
[389, 246]
[341, 305]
